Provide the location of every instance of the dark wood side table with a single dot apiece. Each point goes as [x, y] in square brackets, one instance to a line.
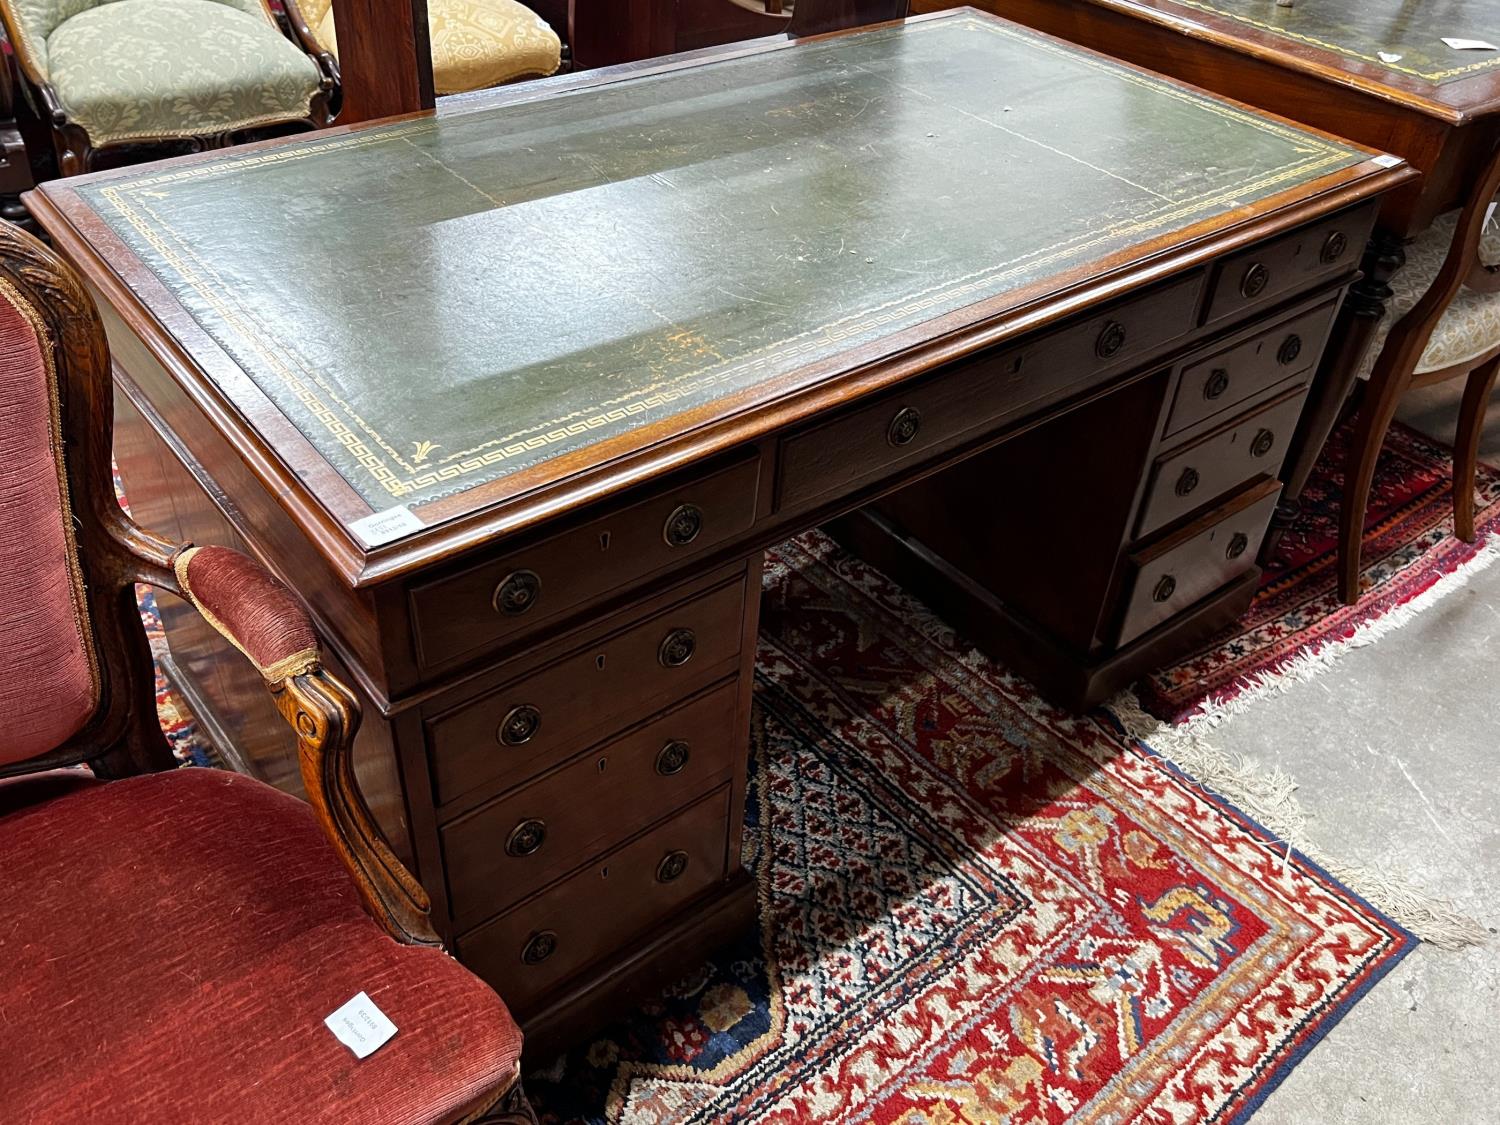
[1321, 62]
[516, 394]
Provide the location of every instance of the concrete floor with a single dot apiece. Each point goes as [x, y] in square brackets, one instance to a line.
[1397, 750]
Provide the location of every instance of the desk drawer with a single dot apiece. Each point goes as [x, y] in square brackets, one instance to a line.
[516, 732]
[1293, 261]
[1220, 461]
[974, 394]
[1172, 575]
[602, 907]
[518, 843]
[505, 598]
[1226, 379]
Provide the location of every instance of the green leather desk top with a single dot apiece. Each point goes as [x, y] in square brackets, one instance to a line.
[1408, 33]
[440, 302]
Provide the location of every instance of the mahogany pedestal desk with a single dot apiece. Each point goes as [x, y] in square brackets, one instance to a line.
[514, 396]
[1320, 62]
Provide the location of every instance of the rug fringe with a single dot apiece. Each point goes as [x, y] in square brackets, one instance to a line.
[1269, 798]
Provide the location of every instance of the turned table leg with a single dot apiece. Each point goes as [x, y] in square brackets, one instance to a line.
[1352, 333]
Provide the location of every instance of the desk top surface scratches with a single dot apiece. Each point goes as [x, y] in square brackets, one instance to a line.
[439, 304]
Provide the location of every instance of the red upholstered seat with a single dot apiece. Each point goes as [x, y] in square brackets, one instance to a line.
[170, 945]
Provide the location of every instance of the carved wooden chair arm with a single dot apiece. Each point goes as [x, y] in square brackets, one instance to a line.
[308, 40]
[261, 618]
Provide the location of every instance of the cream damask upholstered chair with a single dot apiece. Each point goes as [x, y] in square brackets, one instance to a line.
[475, 43]
[1443, 323]
[112, 72]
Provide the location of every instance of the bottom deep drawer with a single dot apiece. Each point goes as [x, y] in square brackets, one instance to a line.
[599, 908]
[1169, 576]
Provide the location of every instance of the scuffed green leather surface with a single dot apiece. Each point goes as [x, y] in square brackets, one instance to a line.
[438, 303]
[1362, 29]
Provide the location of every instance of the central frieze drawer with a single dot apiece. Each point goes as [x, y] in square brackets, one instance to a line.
[505, 598]
[1221, 461]
[965, 398]
[508, 735]
[601, 907]
[502, 852]
[1227, 378]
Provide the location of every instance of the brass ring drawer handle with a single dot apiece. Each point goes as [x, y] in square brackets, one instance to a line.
[1187, 482]
[1254, 283]
[526, 838]
[1166, 586]
[1111, 339]
[1333, 248]
[517, 593]
[673, 758]
[1218, 383]
[677, 648]
[683, 525]
[904, 426]
[1264, 442]
[519, 725]
[539, 947]
[671, 867]
[1237, 545]
[1290, 349]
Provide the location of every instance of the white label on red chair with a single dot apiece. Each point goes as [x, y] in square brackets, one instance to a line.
[361, 1026]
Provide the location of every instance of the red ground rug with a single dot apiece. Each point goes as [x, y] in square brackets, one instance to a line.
[974, 909]
[1409, 546]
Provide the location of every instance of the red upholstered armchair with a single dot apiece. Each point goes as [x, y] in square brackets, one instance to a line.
[171, 941]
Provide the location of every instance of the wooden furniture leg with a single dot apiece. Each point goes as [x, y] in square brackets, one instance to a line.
[1477, 389]
[1359, 472]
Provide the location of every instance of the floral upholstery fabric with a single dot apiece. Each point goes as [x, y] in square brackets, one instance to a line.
[1470, 326]
[133, 69]
[475, 43]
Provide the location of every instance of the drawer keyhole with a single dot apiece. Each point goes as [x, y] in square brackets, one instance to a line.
[677, 648]
[1166, 586]
[517, 593]
[1333, 248]
[1290, 349]
[599, 662]
[526, 838]
[1264, 442]
[671, 867]
[1237, 545]
[1111, 340]
[1187, 482]
[673, 758]
[1254, 283]
[904, 426]
[539, 947]
[519, 725]
[683, 525]
[1218, 383]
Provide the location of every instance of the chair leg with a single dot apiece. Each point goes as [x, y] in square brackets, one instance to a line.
[1375, 414]
[1481, 382]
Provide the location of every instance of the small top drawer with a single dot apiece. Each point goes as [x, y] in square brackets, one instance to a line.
[1227, 378]
[505, 598]
[516, 844]
[1220, 461]
[1168, 577]
[970, 395]
[517, 731]
[1289, 262]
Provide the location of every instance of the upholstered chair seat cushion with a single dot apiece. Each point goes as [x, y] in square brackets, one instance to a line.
[172, 944]
[137, 69]
[475, 43]
[1470, 326]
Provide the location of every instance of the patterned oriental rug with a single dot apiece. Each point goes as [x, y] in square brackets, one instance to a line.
[975, 909]
[1297, 621]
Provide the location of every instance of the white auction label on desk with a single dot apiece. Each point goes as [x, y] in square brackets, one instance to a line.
[383, 527]
[361, 1026]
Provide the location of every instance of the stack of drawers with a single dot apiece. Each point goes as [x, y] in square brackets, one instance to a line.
[581, 799]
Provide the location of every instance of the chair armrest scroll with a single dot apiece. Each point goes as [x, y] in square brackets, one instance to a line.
[262, 619]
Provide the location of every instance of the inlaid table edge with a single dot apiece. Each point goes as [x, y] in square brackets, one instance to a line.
[522, 501]
[1423, 95]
